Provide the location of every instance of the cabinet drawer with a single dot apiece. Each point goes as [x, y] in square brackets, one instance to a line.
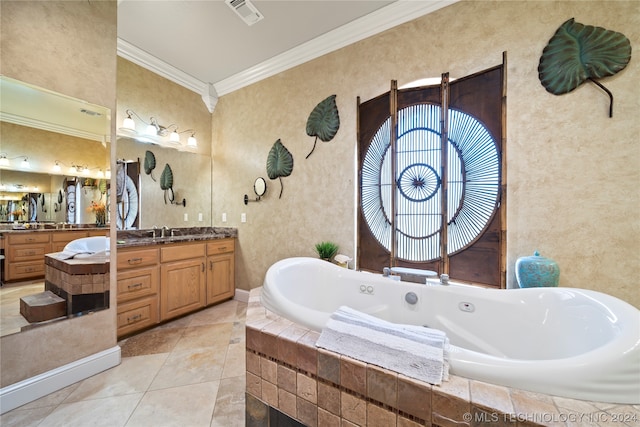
[137, 283]
[137, 258]
[135, 315]
[220, 246]
[180, 252]
[30, 237]
[28, 253]
[67, 236]
[25, 270]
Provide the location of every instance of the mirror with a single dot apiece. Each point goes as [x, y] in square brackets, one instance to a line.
[143, 203]
[260, 188]
[54, 170]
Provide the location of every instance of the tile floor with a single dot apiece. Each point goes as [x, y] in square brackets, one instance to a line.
[11, 321]
[188, 373]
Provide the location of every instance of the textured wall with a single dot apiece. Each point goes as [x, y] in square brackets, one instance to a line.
[572, 171]
[150, 95]
[70, 48]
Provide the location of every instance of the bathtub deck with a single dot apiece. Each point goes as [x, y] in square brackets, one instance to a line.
[287, 372]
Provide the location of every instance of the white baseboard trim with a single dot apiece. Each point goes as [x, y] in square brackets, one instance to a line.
[20, 393]
[241, 295]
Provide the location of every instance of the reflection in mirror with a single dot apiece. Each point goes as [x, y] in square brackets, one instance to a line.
[54, 181]
[139, 186]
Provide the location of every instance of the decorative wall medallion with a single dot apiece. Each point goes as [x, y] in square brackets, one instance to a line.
[578, 52]
[279, 163]
[324, 121]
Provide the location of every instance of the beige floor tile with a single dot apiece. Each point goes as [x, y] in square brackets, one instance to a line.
[216, 335]
[235, 361]
[153, 341]
[229, 409]
[190, 405]
[133, 375]
[107, 412]
[190, 367]
[25, 417]
[52, 399]
[225, 312]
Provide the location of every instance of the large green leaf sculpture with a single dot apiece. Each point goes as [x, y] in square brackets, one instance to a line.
[166, 182]
[578, 52]
[149, 163]
[324, 121]
[279, 163]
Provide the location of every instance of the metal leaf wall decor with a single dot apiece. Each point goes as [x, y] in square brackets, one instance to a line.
[166, 183]
[324, 121]
[149, 163]
[577, 53]
[279, 163]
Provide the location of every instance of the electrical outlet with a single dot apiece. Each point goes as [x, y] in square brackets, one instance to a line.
[186, 217]
[243, 217]
[200, 217]
[224, 217]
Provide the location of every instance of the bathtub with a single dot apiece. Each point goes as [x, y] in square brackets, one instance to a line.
[567, 342]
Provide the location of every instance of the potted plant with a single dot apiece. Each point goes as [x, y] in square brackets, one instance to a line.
[326, 250]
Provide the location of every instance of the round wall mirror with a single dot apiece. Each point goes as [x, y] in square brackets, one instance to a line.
[260, 187]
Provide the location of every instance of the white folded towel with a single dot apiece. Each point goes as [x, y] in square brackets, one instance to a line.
[414, 351]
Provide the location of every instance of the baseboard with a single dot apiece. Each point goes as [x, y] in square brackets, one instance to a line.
[23, 392]
[241, 295]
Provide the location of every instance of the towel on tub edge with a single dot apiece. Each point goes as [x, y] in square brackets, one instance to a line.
[414, 351]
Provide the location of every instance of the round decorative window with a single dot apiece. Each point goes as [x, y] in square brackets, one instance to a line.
[472, 173]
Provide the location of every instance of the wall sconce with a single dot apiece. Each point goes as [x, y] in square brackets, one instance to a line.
[155, 132]
[260, 188]
[6, 161]
[77, 169]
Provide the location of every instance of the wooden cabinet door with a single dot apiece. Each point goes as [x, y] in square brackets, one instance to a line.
[182, 287]
[220, 277]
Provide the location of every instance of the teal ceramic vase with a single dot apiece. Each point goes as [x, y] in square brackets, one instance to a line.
[537, 271]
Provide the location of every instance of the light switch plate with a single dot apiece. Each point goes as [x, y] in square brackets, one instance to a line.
[243, 217]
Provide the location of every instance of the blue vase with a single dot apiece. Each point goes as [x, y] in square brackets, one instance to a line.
[537, 271]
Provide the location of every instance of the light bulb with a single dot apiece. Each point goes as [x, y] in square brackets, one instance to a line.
[151, 130]
[191, 142]
[174, 137]
[25, 164]
[57, 168]
[4, 161]
[128, 123]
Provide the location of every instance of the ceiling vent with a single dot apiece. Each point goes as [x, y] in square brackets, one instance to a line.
[245, 10]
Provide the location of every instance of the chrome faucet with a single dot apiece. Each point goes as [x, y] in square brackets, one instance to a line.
[386, 271]
[444, 279]
[153, 231]
[164, 229]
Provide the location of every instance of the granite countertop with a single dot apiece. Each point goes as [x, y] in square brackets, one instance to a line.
[9, 228]
[130, 238]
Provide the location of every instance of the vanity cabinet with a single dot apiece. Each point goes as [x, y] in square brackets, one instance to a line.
[160, 282]
[220, 270]
[138, 281]
[25, 255]
[182, 279]
[25, 251]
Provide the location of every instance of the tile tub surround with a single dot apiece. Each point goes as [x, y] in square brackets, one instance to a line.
[82, 282]
[287, 372]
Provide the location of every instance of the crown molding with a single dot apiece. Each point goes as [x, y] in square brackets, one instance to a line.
[51, 127]
[395, 14]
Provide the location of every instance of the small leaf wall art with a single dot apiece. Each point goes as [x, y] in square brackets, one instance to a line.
[279, 163]
[149, 163]
[324, 121]
[577, 53]
[166, 183]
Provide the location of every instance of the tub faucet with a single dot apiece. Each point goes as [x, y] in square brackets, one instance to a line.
[444, 279]
[386, 271]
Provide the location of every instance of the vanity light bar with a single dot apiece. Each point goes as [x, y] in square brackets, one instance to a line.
[154, 130]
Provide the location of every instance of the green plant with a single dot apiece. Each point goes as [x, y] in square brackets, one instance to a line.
[326, 250]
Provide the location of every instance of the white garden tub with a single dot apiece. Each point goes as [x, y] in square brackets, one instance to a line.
[566, 342]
